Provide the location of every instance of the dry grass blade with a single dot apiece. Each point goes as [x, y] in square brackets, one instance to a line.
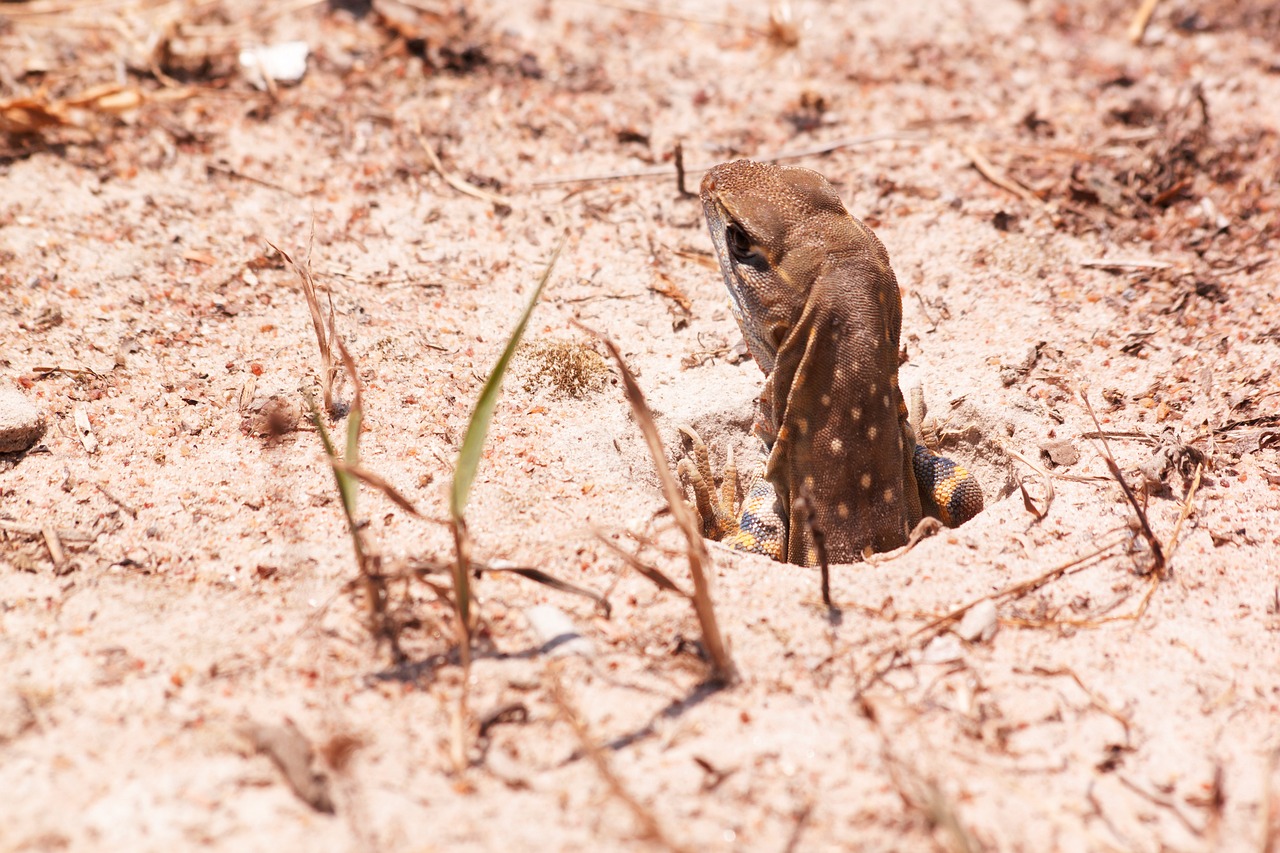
[376, 481]
[555, 583]
[1141, 18]
[1016, 590]
[380, 623]
[1162, 801]
[1093, 622]
[373, 583]
[1187, 504]
[57, 555]
[659, 579]
[935, 626]
[649, 826]
[1158, 562]
[454, 181]
[1096, 700]
[722, 669]
[322, 326]
[995, 176]
[129, 510]
[464, 472]
[1039, 512]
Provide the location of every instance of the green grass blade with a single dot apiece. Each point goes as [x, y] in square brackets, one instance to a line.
[354, 418]
[464, 473]
[348, 485]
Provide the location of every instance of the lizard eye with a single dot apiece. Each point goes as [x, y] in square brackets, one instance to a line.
[740, 245]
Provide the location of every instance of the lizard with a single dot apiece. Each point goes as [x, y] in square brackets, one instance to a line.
[841, 475]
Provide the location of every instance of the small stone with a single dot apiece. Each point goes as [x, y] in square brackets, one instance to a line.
[191, 423]
[556, 632]
[21, 423]
[978, 625]
[944, 648]
[1061, 452]
[285, 62]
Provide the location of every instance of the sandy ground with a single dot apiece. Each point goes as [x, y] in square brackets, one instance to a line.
[1068, 214]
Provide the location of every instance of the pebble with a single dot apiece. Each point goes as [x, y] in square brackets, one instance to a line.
[191, 423]
[943, 648]
[285, 62]
[21, 423]
[556, 633]
[978, 625]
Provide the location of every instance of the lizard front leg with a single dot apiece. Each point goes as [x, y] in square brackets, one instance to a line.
[948, 491]
[758, 526]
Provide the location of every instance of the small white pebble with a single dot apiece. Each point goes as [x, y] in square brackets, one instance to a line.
[978, 625]
[556, 632]
[944, 648]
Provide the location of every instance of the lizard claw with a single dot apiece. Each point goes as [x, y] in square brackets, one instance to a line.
[718, 513]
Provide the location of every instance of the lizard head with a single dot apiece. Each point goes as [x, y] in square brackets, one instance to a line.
[773, 227]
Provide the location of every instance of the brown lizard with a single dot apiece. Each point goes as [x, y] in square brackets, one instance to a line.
[819, 306]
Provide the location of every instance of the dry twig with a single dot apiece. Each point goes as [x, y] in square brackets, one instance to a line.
[936, 625]
[723, 670]
[1094, 699]
[995, 176]
[1141, 18]
[1158, 562]
[38, 530]
[1126, 263]
[57, 555]
[1187, 505]
[456, 182]
[1045, 477]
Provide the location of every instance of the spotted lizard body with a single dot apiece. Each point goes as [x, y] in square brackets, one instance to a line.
[819, 306]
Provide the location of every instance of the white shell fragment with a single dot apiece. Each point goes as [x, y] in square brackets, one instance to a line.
[556, 632]
[943, 648]
[979, 623]
[285, 62]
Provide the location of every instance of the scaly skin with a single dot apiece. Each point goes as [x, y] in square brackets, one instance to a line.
[815, 297]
